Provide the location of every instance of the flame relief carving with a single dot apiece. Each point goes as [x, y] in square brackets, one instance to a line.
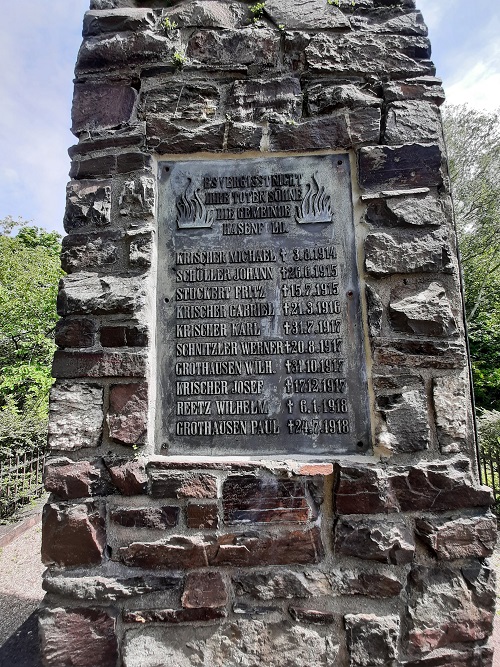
[316, 205]
[191, 211]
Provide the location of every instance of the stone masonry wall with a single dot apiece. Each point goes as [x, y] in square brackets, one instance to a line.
[362, 561]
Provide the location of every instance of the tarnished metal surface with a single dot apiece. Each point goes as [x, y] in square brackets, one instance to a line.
[260, 349]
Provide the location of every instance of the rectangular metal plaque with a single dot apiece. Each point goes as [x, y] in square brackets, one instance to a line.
[260, 346]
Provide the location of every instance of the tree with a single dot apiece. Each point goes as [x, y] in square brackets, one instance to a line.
[29, 275]
[473, 142]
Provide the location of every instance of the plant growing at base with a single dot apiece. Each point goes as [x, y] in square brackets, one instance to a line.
[169, 25]
[179, 59]
[258, 11]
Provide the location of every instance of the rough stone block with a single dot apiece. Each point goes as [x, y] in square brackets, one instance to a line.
[419, 354]
[204, 590]
[69, 480]
[104, 166]
[233, 49]
[251, 499]
[209, 14]
[343, 129]
[380, 21]
[420, 88]
[309, 15]
[99, 364]
[368, 53]
[465, 537]
[365, 489]
[372, 640]
[375, 309]
[155, 518]
[82, 252]
[243, 137]
[390, 543]
[101, 106]
[241, 642]
[396, 167]
[426, 313]
[369, 584]
[449, 606]
[124, 336]
[277, 100]
[480, 657]
[128, 476]
[178, 552]
[88, 203]
[100, 22]
[202, 517]
[283, 584]
[308, 615]
[140, 250]
[325, 98]
[108, 589]
[80, 637]
[126, 136]
[184, 101]
[407, 252]
[174, 615]
[73, 534]
[75, 333]
[450, 401]
[411, 121]
[137, 198]
[166, 484]
[406, 416]
[76, 416]
[406, 212]
[167, 137]
[127, 417]
[87, 293]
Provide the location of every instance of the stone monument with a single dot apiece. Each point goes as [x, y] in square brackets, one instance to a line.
[262, 441]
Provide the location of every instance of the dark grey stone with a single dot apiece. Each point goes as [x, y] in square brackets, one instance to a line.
[407, 252]
[411, 121]
[397, 167]
[390, 542]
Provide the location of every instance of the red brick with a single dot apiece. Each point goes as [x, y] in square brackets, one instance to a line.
[204, 590]
[127, 416]
[81, 479]
[165, 484]
[308, 615]
[99, 364]
[155, 518]
[202, 517]
[128, 476]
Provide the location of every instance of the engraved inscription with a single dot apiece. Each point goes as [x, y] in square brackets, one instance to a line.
[259, 337]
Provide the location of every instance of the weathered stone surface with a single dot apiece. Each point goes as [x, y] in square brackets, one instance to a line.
[173, 615]
[385, 21]
[370, 584]
[244, 642]
[76, 416]
[308, 615]
[99, 364]
[407, 211]
[202, 517]
[88, 203]
[480, 657]
[182, 101]
[165, 484]
[108, 589]
[101, 106]
[251, 499]
[104, 166]
[323, 98]
[75, 333]
[178, 552]
[137, 198]
[234, 49]
[284, 584]
[390, 543]
[309, 15]
[466, 537]
[82, 252]
[168, 137]
[204, 590]
[155, 518]
[419, 88]
[396, 167]
[368, 54]
[140, 250]
[128, 476]
[364, 489]
[406, 417]
[209, 14]
[73, 534]
[411, 121]
[79, 637]
[127, 416]
[86, 293]
[76, 479]
[277, 100]
[419, 354]
[448, 606]
[407, 252]
[372, 640]
[375, 311]
[123, 336]
[129, 135]
[343, 129]
[449, 396]
[125, 49]
[254, 610]
[426, 313]
[101, 22]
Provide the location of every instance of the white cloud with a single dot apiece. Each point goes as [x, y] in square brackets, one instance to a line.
[435, 11]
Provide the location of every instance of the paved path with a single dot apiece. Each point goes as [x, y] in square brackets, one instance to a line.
[21, 592]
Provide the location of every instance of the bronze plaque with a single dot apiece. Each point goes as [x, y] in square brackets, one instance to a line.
[260, 345]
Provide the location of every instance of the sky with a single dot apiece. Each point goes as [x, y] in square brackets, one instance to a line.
[39, 41]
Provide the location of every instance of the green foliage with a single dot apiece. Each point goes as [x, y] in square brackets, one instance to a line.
[488, 424]
[473, 143]
[169, 25]
[29, 276]
[257, 11]
[179, 59]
